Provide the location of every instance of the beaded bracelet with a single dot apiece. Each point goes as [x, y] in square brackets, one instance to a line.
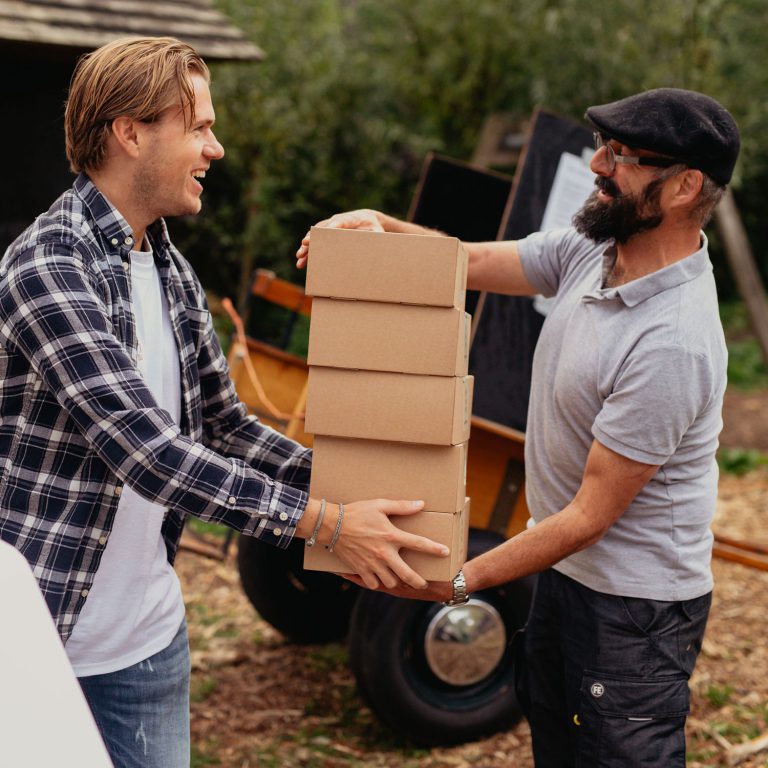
[338, 529]
[311, 540]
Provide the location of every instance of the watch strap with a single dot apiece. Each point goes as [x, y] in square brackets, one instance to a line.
[460, 595]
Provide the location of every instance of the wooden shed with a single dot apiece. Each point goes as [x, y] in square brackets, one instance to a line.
[40, 42]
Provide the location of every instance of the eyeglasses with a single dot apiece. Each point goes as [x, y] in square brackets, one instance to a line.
[611, 158]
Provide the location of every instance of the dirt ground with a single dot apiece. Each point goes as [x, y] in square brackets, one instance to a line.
[260, 701]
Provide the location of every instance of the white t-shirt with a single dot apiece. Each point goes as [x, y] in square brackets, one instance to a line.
[135, 607]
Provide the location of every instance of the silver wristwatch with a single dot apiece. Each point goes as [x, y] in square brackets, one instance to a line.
[460, 595]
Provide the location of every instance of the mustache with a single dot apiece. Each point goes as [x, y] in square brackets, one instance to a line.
[609, 186]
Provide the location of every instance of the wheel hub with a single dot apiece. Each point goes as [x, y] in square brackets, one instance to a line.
[464, 643]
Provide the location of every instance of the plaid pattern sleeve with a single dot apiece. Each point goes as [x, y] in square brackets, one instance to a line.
[77, 421]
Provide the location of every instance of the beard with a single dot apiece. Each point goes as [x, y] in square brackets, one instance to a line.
[622, 217]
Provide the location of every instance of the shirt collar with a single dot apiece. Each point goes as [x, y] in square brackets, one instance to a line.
[114, 227]
[637, 291]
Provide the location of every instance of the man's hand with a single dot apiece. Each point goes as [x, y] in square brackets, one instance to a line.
[369, 543]
[364, 218]
[435, 591]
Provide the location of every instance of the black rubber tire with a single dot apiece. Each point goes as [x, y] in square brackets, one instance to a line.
[386, 653]
[306, 606]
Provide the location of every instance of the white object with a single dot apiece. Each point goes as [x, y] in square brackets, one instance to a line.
[44, 718]
[574, 182]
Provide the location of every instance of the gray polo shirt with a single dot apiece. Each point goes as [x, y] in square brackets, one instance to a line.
[642, 369]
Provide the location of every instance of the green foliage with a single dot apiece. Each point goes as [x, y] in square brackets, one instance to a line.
[202, 688]
[204, 529]
[329, 657]
[204, 755]
[352, 94]
[719, 695]
[746, 367]
[740, 461]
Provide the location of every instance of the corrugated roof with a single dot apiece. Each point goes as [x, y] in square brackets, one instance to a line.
[87, 24]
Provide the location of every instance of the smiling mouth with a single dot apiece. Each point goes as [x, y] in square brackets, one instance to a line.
[607, 188]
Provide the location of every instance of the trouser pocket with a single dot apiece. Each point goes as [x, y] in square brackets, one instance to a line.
[632, 722]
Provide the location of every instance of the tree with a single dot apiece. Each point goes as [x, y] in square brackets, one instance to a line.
[353, 93]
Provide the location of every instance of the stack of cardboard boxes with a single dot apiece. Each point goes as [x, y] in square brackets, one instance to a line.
[389, 399]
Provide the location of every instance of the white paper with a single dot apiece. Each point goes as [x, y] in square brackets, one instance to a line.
[574, 182]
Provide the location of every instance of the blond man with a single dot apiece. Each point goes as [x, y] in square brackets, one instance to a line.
[117, 415]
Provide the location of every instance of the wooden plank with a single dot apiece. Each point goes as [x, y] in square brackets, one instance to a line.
[138, 8]
[282, 376]
[741, 556]
[90, 39]
[85, 27]
[266, 285]
[748, 546]
[116, 22]
[128, 6]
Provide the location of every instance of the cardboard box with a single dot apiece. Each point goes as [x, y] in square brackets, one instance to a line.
[389, 337]
[389, 406]
[451, 530]
[386, 266]
[345, 469]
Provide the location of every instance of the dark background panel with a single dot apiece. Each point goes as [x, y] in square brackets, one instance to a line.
[461, 200]
[508, 326]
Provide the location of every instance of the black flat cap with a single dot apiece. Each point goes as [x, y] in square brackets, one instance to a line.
[686, 125]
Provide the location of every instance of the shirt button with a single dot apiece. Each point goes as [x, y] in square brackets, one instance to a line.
[84, 593]
[129, 241]
[118, 490]
[283, 516]
[231, 500]
[114, 241]
[277, 531]
[103, 540]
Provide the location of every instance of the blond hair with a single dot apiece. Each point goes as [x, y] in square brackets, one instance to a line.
[132, 77]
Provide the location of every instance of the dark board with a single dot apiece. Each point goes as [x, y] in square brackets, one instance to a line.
[508, 326]
[461, 200]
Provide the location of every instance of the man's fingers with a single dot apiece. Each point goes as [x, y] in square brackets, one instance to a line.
[389, 507]
[408, 576]
[388, 579]
[421, 544]
[369, 579]
[353, 577]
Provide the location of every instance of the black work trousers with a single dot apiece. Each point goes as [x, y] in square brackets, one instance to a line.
[604, 680]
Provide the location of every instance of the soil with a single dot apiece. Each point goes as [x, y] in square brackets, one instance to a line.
[259, 700]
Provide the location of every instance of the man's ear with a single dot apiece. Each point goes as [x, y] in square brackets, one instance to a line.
[126, 136]
[689, 185]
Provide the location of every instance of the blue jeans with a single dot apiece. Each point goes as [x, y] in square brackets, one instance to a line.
[604, 681]
[142, 711]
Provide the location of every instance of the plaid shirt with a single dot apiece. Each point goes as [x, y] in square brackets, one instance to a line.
[77, 421]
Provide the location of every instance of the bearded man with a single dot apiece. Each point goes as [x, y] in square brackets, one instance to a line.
[625, 411]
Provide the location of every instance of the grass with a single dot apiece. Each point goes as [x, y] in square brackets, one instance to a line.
[202, 528]
[201, 689]
[719, 695]
[204, 755]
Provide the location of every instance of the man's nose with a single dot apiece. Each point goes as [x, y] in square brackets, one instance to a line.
[599, 162]
[213, 148]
